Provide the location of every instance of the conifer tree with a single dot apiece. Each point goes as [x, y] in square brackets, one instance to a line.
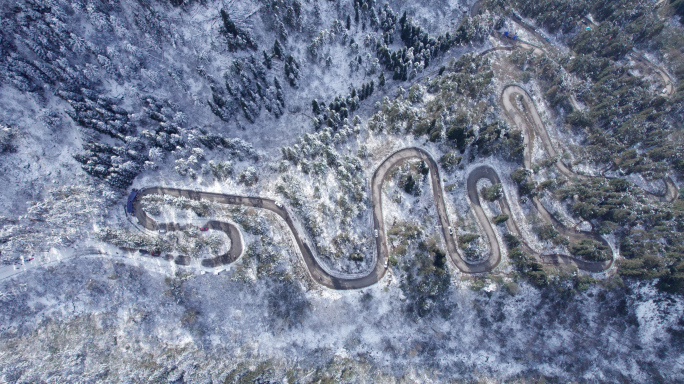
[315, 108]
[267, 60]
[277, 50]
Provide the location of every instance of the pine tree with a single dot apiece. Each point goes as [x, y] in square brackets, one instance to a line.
[279, 92]
[267, 60]
[381, 81]
[260, 90]
[277, 50]
[315, 108]
[348, 22]
[292, 71]
[373, 19]
[228, 24]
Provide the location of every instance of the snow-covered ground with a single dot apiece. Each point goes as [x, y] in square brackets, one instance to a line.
[85, 310]
[160, 324]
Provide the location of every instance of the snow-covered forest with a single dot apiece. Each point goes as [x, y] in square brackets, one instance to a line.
[300, 102]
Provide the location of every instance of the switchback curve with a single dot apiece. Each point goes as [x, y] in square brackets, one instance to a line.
[531, 124]
[318, 273]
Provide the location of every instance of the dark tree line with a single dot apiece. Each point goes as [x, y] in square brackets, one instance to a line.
[292, 71]
[236, 37]
[334, 114]
[282, 16]
[248, 87]
[419, 47]
[634, 18]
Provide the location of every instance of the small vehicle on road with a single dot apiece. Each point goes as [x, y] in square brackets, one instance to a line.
[155, 253]
[279, 204]
[204, 229]
[451, 231]
[376, 233]
[162, 230]
[386, 264]
[29, 259]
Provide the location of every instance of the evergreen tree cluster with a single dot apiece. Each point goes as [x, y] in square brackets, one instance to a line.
[387, 21]
[623, 114]
[469, 77]
[247, 88]
[236, 37]
[651, 234]
[117, 165]
[335, 113]
[7, 136]
[46, 54]
[41, 58]
[97, 112]
[678, 6]
[419, 47]
[364, 11]
[405, 63]
[283, 15]
[635, 19]
[43, 32]
[234, 147]
[292, 71]
[426, 283]
[167, 134]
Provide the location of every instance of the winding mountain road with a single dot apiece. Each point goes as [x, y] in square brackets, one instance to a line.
[527, 119]
[317, 272]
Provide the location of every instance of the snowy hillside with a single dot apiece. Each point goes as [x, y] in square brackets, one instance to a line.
[341, 191]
